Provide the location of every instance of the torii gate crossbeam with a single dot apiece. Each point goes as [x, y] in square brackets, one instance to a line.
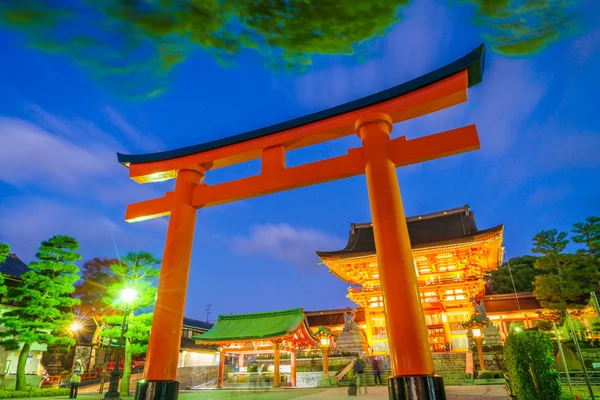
[371, 118]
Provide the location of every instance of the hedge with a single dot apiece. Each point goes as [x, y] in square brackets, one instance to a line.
[530, 363]
[34, 392]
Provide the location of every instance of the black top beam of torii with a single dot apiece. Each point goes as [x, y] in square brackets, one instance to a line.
[473, 63]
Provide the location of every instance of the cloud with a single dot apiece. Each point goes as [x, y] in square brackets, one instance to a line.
[509, 94]
[569, 150]
[550, 149]
[549, 194]
[71, 184]
[33, 157]
[585, 47]
[144, 142]
[26, 222]
[411, 48]
[286, 243]
[30, 155]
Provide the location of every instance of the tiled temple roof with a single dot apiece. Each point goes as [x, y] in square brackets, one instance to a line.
[438, 228]
[13, 266]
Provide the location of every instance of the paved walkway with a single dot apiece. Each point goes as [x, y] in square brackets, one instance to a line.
[375, 393]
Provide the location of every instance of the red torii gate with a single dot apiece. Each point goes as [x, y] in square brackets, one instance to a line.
[371, 118]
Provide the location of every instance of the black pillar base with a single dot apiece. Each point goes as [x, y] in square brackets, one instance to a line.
[416, 387]
[157, 390]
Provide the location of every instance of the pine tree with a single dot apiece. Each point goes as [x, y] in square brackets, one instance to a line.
[138, 271]
[4, 252]
[45, 303]
[588, 233]
[564, 279]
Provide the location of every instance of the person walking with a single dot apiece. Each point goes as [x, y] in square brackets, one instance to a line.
[359, 371]
[75, 379]
[45, 378]
[376, 371]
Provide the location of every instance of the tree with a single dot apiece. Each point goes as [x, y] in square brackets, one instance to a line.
[564, 279]
[137, 271]
[523, 274]
[121, 39]
[4, 252]
[45, 302]
[588, 233]
[137, 335]
[92, 290]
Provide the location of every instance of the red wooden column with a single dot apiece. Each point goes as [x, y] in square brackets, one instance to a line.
[293, 366]
[220, 376]
[241, 362]
[412, 364]
[325, 350]
[165, 337]
[276, 366]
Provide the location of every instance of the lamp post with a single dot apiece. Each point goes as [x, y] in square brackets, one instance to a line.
[128, 295]
[325, 338]
[73, 329]
[478, 339]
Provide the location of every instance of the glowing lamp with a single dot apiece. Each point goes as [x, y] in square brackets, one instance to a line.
[75, 326]
[517, 329]
[477, 332]
[128, 295]
[324, 342]
[444, 318]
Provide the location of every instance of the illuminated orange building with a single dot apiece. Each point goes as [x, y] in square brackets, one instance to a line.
[452, 257]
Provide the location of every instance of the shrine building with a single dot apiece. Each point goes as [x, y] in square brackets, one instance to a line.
[452, 258]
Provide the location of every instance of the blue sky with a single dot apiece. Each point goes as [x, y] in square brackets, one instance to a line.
[60, 129]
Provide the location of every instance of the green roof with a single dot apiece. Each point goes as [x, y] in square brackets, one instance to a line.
[254, 326]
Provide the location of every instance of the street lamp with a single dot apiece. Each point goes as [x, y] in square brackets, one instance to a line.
[75, 326]
[323, 335]
[478, 339]
[128, 295]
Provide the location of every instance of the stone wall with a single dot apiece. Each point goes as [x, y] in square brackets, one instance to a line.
[451, 366]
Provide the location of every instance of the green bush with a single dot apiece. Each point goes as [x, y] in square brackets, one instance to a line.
[530, 365]
[33, 392]
[491, 374]
[485, 375]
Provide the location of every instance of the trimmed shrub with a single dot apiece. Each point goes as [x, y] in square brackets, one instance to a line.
[33, 392]
[485, 375]
[530, 365]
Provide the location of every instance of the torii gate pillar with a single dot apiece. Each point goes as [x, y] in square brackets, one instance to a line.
[412, 364]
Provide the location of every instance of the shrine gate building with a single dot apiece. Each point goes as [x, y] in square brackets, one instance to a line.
[452, 258]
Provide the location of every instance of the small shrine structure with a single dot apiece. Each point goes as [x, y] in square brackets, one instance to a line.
[260, 333]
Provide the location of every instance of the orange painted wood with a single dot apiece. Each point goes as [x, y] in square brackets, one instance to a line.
[443, 94]
[405, 322]
[165, 338]
[275, 179]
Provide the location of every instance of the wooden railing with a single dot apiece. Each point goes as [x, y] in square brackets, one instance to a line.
[343, 372]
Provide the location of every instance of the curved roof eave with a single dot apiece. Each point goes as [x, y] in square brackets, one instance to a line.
[342, 254]
[473, 63]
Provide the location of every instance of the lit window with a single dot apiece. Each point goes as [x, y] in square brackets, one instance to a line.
[449, 291]
[458, 291]
[450, 298]
[460, 297]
